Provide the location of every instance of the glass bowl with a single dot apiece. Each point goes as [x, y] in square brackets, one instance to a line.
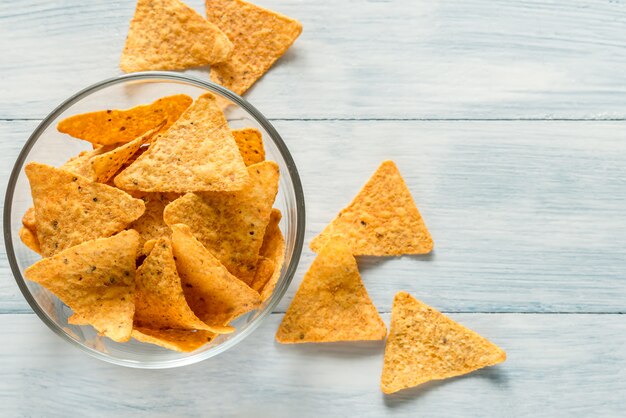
[49, 146]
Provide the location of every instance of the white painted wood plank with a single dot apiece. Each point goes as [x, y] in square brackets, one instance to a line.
[526, 216]
[358, 59]
[558, 365]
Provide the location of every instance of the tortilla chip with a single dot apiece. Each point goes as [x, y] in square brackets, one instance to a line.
[426, 345]
[174, 339]
[160, 302]
[76, 319]
[250, 143]
[198, 153]
[102, 163]
[151, 225]
[264, 271]
[273, 248]
[96, 279]
[231, 225]
[331, 303]
[382, 219]
[29, 220]
[169, 35]
[216, 296]
[107, 127]
[259, 37]
[71, 209]
[29, 238]
[148, 246]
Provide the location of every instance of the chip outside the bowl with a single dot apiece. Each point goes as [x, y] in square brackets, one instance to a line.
[108, 127]
[159, 298]
[96, 279]
[259, 38]
[331, 303]
[231, 225]
[71, 209]
[424, 345]
[197, 153]
[169, 35]
[215, 296]
[382, 220]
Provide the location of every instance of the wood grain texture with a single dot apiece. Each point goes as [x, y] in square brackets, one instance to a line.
[358, 59]
[526, 216]
[558, 365]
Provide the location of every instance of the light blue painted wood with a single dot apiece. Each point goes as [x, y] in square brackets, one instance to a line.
[358, 58]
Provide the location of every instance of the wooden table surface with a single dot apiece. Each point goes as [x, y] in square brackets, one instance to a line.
[508, 121]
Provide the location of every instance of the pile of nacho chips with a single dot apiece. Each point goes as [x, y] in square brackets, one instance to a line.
[165, 231]
[332, 303]
[239, 40]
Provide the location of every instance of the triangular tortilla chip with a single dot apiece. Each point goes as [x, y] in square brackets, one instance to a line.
[107, 127]
[159, 301]
[263, 273]
[169, 35]
[102, 163]
[331, 303]
[424, 344]
[29, 220]
[250, 143]
[96, 280]
[382, 220]
[274, 249]
[216, 296]
[71, 209]
[231, 225]
[174, 339]
[151, 225]
[29, 238]
[259, 36]
[197, 153]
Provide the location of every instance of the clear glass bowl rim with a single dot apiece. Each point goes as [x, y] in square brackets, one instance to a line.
[283, 283]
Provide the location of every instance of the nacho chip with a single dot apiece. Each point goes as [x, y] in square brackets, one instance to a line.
[169, 35]
[250, 143]
[107, 127]
[382, 219]
[71, 209]
[216, 296]
[151, 225]
[264, 271]
[96, 279]
[29, 220]
[426, 345]
[331, 303]
[198, 153]
[102, 163]
[174, 339]
[273, 248]
[159, 299]
[76, 319]
[29, 238]
[231, 225]
[259, 37]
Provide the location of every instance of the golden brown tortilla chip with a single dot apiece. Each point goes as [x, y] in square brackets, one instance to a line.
[259, 37]
[29, 238]
[382, 220]
[159, 299]
[274, 249]
[76, 319]
[231, 225]
[250, 143]
[107, 127]
[96, 279]
[174, 339]
[29, 220]
[169, 35]
[71, 209]
[151, 225]
[215, 296]
[264, 271]
[331, 303]
[425, 345]
[197, 153]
